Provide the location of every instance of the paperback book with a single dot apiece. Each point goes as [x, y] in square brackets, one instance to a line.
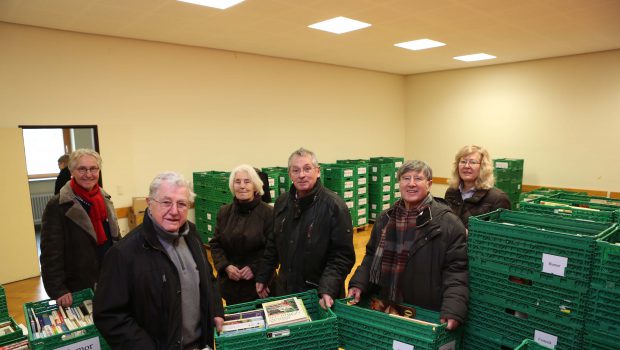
[285, 311]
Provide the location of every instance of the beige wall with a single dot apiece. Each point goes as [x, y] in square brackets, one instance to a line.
[562, 115]
[166, 107]
[18, 251]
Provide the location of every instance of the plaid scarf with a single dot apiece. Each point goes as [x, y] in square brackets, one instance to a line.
[392, 252]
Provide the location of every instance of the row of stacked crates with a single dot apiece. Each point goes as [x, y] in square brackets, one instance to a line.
[544, 275]
[10, 337]
[509, 177]
[279, 181]
[383, 189]
[349, 180]
[212, 192]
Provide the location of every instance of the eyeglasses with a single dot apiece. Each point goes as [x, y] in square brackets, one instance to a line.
[415, 179]
[464, 162]
[305, 170]
[167, 204]
[83, 170]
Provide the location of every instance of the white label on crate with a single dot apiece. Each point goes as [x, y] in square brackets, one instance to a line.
[374, 178]
[209, 228]
[387, 188]
[272, 181]
[554, 264]
[545, 339]
[272, 193]
[501, 165]
[348, 194]
[398, 164]
[349, 205]
[387, 179]
[348, 172]
[396, 345]
[361, 201]
[386, 197]
[374, 169]
[385, 206]
[361, 221]
[397, 194]
[448, 346]
[361, 190]
[361, 170]
[373, 206]
[282, 179]
[208, 216]
[361, 212]
[361, 181]
[88, 344]
[373, 215]
[348, 184]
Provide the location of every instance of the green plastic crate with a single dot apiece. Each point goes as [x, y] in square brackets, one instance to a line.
[481, 339]
[320, 333]
[211, 178]
[508, 164]
[64, 339]
[603, 311]
[14, 337]
[361, 328]
[566, 209]
[600, 340]
[529, 344]
[606, 267]
[516, 242]
[360, 166]
[4, 310]
[516, 325]
[530, 295]
[396, 162]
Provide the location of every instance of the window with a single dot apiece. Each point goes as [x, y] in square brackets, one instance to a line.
[43, 148]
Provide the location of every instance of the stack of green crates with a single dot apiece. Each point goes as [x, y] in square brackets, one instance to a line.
[602, 326]
[575, 206]
[85, 336]
[274, 174]
[13, 337]
[509, 177]
[360, 189]
[339, 178]
[284, 183]
[362, 328]
[529, 278]
[318, 334]
[383, 188]
[212, 192]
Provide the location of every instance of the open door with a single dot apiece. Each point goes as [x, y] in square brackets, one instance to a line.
[18, 250]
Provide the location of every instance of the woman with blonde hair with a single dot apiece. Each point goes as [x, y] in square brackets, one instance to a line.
[471, 190]
[240, 236]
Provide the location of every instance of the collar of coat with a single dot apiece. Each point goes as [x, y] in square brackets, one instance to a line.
[477, 197]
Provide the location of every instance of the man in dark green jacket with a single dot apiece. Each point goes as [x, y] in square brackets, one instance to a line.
[312, 239]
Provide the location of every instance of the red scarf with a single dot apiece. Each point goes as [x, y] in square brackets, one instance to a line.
[97, 212]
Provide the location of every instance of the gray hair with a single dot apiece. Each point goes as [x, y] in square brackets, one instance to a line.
[79, 153]
[64, 159]
[254, 178]
[417, 166]
[302, 152]
[172, 178]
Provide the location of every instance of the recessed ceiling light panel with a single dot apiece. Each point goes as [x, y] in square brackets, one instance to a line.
[420, 44]
[339, 25]
[474, 57]
[218, 4]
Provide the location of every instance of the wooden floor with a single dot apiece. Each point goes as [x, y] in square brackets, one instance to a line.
[18, 293]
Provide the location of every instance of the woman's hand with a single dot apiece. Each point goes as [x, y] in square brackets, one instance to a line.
[233, 272]
[356, 293]
[246, 273]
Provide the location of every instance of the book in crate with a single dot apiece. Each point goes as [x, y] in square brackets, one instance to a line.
[285, 311]
[19, 345]
[241, 322]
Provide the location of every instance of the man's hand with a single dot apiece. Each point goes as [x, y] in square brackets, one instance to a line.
[65, 300]
[262, 290]
[326, 301]
[452, 323]
[233, 272]
[356, 293]
[219, 323]
[246, 273]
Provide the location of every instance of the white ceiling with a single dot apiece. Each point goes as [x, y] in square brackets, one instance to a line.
[512, 30]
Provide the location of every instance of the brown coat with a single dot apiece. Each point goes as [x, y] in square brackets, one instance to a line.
[69, 260]
[482, 202]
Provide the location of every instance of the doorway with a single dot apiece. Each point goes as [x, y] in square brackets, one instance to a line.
[43, 146]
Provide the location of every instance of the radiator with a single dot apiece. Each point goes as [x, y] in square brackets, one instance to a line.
[39, 201]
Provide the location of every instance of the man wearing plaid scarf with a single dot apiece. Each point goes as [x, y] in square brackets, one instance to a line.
[417, 252]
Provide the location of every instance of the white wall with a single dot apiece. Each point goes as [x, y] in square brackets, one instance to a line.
[562, 115]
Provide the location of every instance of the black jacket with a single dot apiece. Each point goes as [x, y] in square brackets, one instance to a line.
[63, 177]
[240, 237]
[69, 251]
[137, 304]
[435, 276]
[482, 202]
[312, 240]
